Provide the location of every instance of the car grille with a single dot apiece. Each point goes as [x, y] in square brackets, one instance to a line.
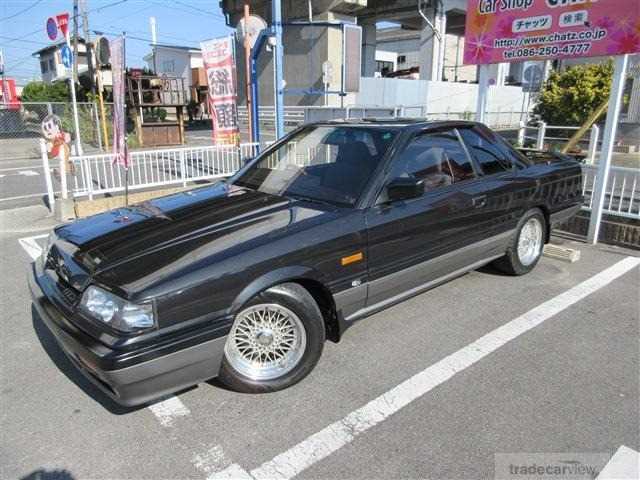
[55, 262]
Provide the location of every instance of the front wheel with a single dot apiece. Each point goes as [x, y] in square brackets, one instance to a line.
[525, 249]
[275, 341]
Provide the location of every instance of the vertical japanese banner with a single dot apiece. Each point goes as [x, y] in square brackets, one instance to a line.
[120, 153]
[219, 64]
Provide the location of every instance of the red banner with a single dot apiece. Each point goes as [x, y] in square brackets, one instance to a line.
[120, 154]
[219, 64]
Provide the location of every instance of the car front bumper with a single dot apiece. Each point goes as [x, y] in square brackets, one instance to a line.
[137, 383]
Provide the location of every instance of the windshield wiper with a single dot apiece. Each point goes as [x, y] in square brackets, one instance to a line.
[305, 198]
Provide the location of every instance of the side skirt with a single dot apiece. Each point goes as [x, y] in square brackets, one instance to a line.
[370, 310]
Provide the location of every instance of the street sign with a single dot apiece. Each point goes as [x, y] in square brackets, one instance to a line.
[67, 55]
[254, 26]
[103, 55]
[532, 77]
[62, 20]
[52, 28]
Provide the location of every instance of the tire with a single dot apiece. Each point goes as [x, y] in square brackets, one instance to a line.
[530, 236]
[284, 316]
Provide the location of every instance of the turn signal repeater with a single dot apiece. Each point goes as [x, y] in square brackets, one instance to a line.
[356, 257]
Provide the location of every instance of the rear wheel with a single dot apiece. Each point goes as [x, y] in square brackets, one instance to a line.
[525, 249]
[275, 341]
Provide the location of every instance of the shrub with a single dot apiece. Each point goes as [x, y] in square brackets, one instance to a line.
[571, 96]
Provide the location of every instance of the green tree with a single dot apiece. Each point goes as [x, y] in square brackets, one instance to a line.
[46, 92]
[570, 96]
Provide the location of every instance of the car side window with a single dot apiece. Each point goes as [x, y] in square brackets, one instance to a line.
[438, 158]
[483, 146]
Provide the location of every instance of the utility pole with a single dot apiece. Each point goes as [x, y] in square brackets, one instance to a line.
[89, 46]
[278, 57]
[154, 40]
[75, 40]
[5, 88]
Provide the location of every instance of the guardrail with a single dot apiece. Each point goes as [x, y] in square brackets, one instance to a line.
[97, 174]
[622, 197]
[295, 116]
[542, 141]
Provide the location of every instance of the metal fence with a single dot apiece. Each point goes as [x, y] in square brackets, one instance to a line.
[622, 197]
[20, 129]
[97, 174]
[295, 116]
[547, 137]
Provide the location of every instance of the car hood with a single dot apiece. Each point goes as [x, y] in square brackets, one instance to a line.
[164, 235]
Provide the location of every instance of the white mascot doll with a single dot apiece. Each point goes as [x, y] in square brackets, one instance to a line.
[57, 141]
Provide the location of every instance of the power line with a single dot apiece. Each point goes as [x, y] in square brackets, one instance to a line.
[21, 11]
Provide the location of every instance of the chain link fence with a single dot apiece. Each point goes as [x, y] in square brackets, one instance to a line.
[20, 128]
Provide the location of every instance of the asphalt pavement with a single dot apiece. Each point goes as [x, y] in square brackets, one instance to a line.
[440, 386]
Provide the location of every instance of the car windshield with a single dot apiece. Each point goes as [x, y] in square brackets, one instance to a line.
[329, 164]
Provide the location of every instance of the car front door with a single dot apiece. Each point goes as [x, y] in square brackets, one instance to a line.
[505, 192]
[417, 241]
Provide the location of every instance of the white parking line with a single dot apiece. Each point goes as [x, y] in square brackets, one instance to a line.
[624, 465]
[28, 173]
[211, 461]
[30, 245]
[168, 410]
[330, 439]
[12, 169]
[20, 197]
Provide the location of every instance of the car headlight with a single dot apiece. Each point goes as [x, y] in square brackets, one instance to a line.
[115, 311]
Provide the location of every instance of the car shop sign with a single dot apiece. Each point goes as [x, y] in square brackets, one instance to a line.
[521, 30]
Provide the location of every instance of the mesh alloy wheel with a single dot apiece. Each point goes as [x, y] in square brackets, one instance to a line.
[266, 342]
[530, 241]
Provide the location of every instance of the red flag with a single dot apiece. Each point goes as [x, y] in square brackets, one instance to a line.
[217, 56]
[120, 153]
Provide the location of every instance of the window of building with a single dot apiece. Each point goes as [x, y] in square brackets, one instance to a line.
[438, 158]
[43, 66]
[169, 66]
[483, 146]
[402, 59]
[384, 67]
[52, 65]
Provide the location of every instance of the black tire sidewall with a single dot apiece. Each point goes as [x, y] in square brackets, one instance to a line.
[297, 299]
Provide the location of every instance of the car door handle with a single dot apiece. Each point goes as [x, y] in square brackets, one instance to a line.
[479, 202]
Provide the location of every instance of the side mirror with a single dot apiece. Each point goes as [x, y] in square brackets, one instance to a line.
[405, 188]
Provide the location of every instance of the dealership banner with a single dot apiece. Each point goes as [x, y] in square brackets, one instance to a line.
[120, 153]
[219, 65]
[520, 30]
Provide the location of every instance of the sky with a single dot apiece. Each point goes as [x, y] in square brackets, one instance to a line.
[179, 22]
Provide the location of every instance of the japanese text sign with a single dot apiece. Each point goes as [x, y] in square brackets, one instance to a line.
[120, 152]
[63, 23]
[518, 30]
[219, 64]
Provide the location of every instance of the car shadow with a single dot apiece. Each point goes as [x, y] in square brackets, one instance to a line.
[59, 358]
[42, 474]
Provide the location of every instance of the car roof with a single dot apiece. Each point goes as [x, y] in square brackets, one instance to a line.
[396, 122]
